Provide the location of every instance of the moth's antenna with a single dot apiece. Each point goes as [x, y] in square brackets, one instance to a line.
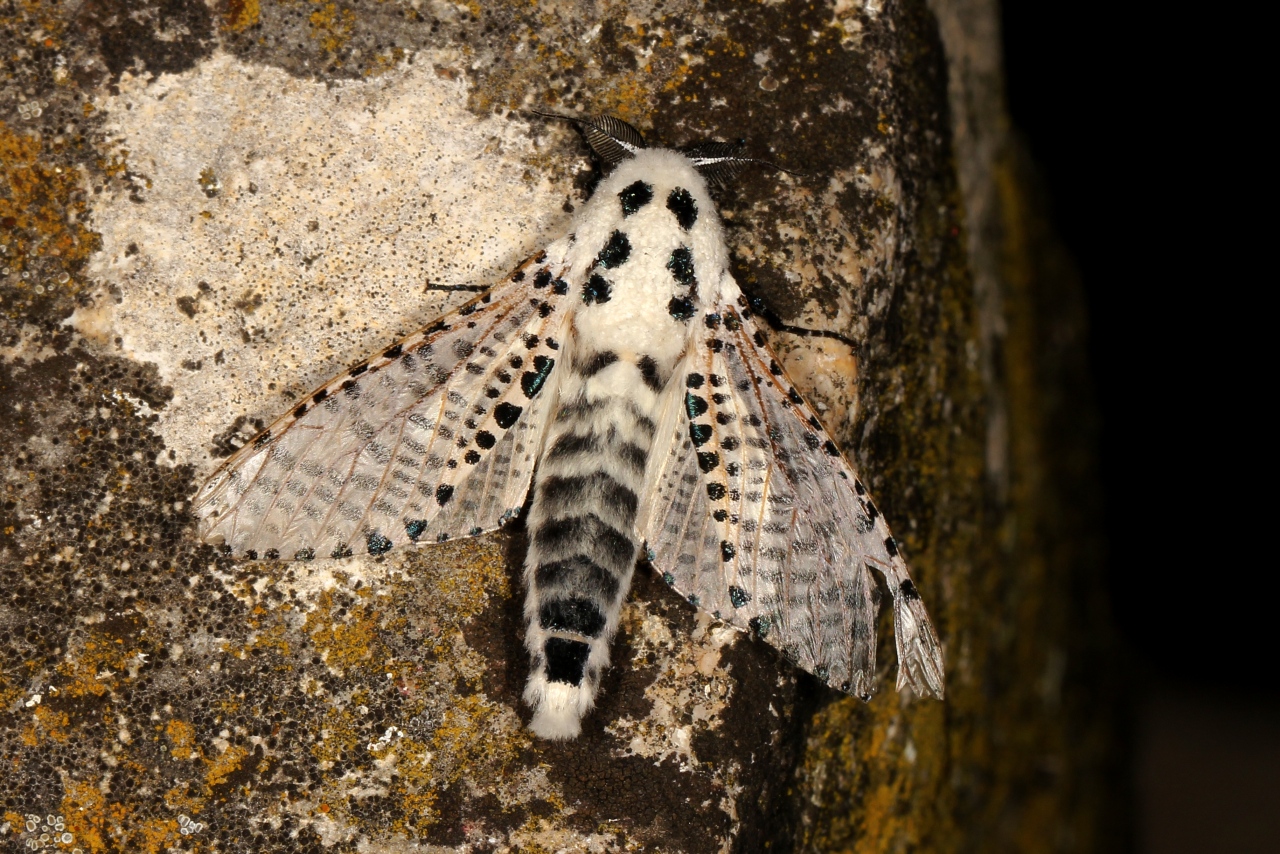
[720, 162]
[612, 139]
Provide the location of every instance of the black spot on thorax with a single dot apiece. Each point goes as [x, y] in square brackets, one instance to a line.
[635, 196]
[597, 290]
[680, 202]
[615, 252]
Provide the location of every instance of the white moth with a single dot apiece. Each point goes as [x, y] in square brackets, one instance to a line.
[619, 371]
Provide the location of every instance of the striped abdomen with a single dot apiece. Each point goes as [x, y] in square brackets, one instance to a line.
[582, 542]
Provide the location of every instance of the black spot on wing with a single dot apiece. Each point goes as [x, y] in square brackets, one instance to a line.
[533, 381]
[377, 543]
[506, 414]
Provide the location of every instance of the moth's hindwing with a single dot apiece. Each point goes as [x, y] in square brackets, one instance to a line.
[437, 437]
[756, 517]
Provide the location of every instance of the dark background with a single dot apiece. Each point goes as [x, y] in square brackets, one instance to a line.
[1141, 164]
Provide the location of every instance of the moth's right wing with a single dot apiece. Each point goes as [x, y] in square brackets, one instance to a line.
[435, 438]
[758, 519]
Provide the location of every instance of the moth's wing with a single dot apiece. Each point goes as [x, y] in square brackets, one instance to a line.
[436, 437]
[756, 517]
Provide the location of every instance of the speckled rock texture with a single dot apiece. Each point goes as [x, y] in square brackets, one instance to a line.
[207, 209]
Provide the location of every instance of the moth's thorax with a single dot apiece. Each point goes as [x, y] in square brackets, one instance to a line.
[649, 252]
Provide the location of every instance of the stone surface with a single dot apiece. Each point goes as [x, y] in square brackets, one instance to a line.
[207, 209]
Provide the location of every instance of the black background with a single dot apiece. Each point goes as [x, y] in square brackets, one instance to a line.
[1137, 127]
[1136, 158]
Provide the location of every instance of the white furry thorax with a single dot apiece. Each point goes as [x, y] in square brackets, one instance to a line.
[637, 318]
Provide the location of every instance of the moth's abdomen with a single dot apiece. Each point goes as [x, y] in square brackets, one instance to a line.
[582, 542]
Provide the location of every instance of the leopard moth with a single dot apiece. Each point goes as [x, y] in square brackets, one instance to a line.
[620, 374]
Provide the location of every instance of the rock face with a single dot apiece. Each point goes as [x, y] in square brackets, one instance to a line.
[208, 209]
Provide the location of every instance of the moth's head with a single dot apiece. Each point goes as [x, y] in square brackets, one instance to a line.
[615, 142]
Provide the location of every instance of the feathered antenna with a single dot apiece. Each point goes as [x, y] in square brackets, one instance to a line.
[613, 140]
[720, 162]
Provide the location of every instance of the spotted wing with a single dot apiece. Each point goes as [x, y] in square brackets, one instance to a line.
[758, 519]
[435, 438]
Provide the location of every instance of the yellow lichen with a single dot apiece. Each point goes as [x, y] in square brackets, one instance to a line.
[224, 765]
[89, 669]
[240, 15]
[385, 61]
[331, 27]
[42, 208]
[44, 22]
[54, 724]
[181, 801]
[100, 826]
[346, 637]
[182, 739]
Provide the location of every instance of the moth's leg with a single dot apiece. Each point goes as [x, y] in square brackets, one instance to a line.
[775, 322]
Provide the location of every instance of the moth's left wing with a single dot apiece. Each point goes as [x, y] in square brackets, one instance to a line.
[757, 517]
[435, 438]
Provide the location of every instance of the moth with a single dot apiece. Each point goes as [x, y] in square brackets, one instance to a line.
[618, 382]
